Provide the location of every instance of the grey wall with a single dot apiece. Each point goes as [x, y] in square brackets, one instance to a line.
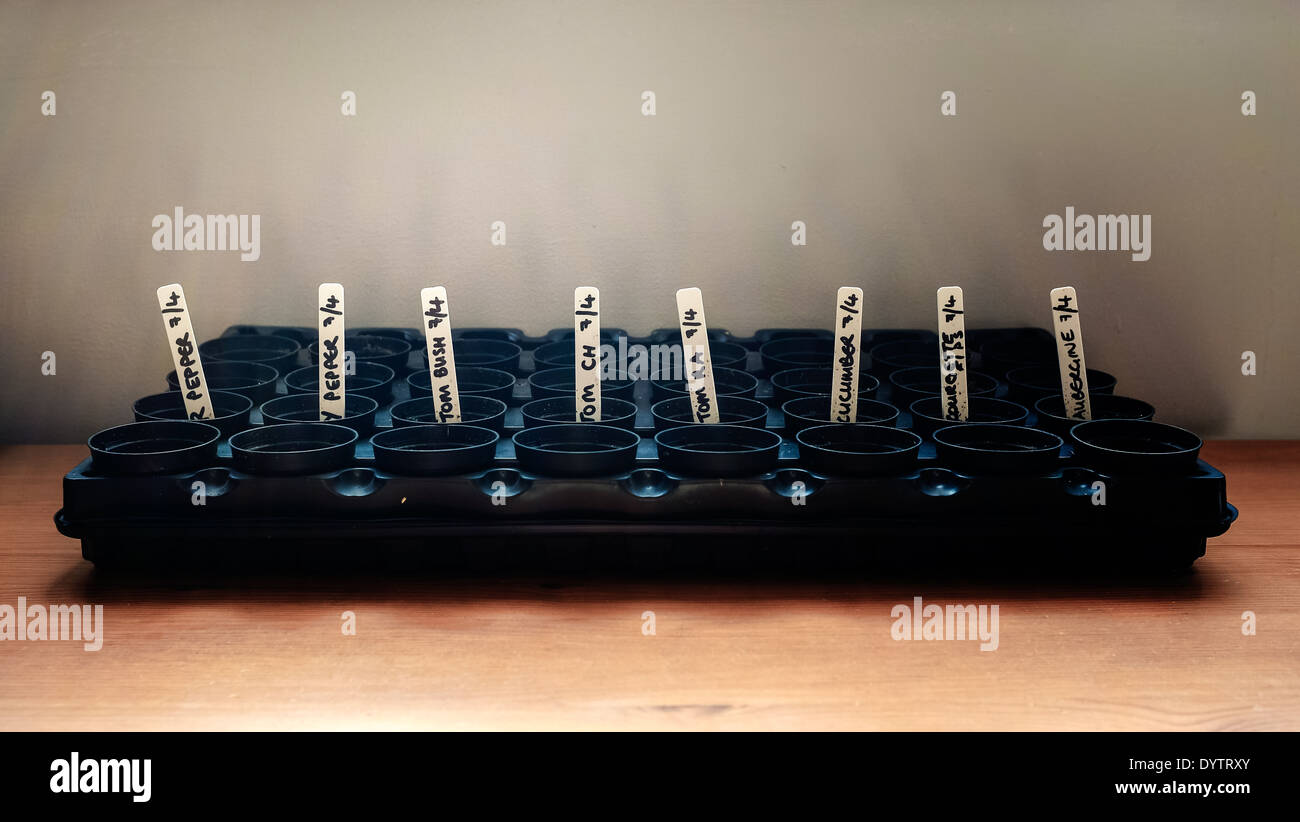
[768, 112]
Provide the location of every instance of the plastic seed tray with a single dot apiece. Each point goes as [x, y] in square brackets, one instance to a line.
[516, 487]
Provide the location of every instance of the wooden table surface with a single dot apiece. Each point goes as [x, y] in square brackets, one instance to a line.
[268, 653]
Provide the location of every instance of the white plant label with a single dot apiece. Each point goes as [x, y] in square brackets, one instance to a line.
[695, 356]
[953, 395]
[436, 316]
[330, 352]
[1069, 353]
[847, 354]
[185, 352]
[586, 354]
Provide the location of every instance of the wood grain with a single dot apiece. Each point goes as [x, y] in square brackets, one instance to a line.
[1165, 653]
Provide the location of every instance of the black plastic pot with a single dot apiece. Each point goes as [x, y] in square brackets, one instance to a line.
[728, 381]
[230, 411]
[911, 384]
[293, 448]
[888, 335]
[576, 450]
[281, 353]
[732, 410]
[927, 413]
[990, 448]
[561, 410]
[485, 382]
[412, 336]
[885, 358]
[728, 355]
[718, 450]
[554, 355]
[1135, 447]
[371, 380]
[393, 352]
[795, 352]
[607, 335]
[858, 450]
[429, 450]
[305, 408]
[814, 382]
[254, 380]
[156, 447]
[806, 412]
[1051, 411]
[559, 382]
[1027, 385]
[484, 412]
[512, 335]
[1003, 354]
[481, 353]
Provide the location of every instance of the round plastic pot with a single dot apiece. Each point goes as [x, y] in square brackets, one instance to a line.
[359, 412]
[1027, 385]
[1051, 411]
[281, 353]
[795, 352]
[559, 382]
[230, 411]
[371, 380]
[732, 410]
[991, 448]
[911, 384]
[485, 382]
[858, 450]
[728, 381]
[254, 380]
[156, 447]
[718, 450]
[1135, 447]
[927, 414]
[480, 353]
[393, 352]
[814, 382]
[484, 412]
[293, 448]
[885, 358]
[576, 450]
[561, 410]
[428, 450]
[806, 412]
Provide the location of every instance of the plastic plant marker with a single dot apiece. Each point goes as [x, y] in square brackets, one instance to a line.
[185, 351]
[1069, 353]
[586, 354]
[847, 355]
[695, 356]
[331, 350]
[436, 314]
[952, 355]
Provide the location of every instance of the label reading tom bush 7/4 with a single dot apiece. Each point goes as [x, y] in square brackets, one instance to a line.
[436, 320]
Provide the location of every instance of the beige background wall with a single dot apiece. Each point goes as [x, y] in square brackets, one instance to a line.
[768, 112]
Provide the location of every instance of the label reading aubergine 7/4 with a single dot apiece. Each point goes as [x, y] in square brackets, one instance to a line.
[435, 316]
[954, 400]
[1069, 353]
[695, 356]
[331, 352]
[185, 351]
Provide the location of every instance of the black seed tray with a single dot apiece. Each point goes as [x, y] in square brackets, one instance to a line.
[931, 508]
